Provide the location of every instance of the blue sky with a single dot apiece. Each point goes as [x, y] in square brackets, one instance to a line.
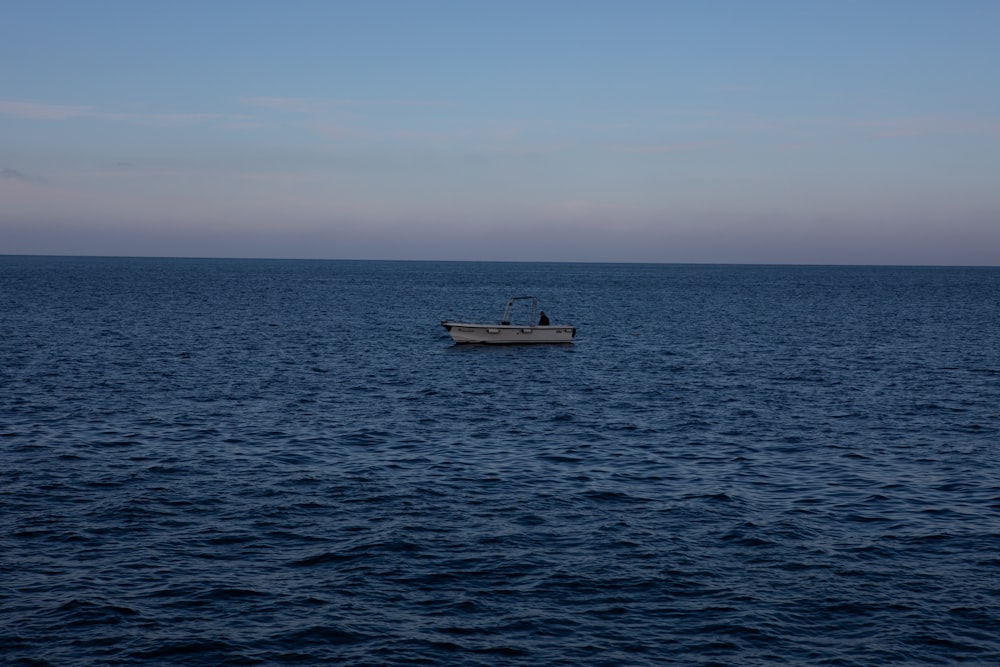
[754, 132]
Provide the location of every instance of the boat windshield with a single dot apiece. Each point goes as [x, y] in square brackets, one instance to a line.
[510, 309]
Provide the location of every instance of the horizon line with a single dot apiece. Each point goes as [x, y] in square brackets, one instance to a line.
[503, 261]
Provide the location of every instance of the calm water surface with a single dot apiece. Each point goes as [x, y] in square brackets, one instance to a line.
[234, 462]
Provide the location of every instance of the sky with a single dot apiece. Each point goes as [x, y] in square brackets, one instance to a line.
[701, 131]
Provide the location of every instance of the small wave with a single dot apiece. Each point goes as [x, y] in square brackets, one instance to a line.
[204, 649]
[321, 634]
[775, 472]
[230, 594]
[329, 557]
[84, 612]
[617, 497]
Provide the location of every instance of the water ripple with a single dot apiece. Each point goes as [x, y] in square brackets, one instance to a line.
[218, 462]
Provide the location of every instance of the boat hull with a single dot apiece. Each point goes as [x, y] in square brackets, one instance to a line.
[508, 334]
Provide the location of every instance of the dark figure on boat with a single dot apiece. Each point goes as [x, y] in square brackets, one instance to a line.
[543, 319]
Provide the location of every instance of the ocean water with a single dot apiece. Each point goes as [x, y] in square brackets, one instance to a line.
[236, 462]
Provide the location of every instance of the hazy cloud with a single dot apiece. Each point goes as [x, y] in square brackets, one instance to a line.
[8, 174]
[661, 148]
[300, 105]
[341, 131]
[922, 126]
[41, 111]
[62, 112]
[307, 105]
[538, 148]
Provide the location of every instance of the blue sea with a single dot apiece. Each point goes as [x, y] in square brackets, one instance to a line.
[256, 462]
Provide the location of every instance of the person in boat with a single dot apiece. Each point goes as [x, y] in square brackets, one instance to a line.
[543, 319]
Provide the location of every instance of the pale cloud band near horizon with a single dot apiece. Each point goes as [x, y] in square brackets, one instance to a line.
[888, 127]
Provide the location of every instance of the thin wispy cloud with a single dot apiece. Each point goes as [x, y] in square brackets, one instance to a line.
[538, 148]
[299, 105]
[313, 106]
[42, 111]
[499, 140]
[739, 88]
[658, 149]
[815, 125]
[343, 119]
[342, 132]
[923, 126]
[241, 123]
[790, 146]
[167, 118]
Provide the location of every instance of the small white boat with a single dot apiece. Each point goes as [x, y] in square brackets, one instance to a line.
[505, 333]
